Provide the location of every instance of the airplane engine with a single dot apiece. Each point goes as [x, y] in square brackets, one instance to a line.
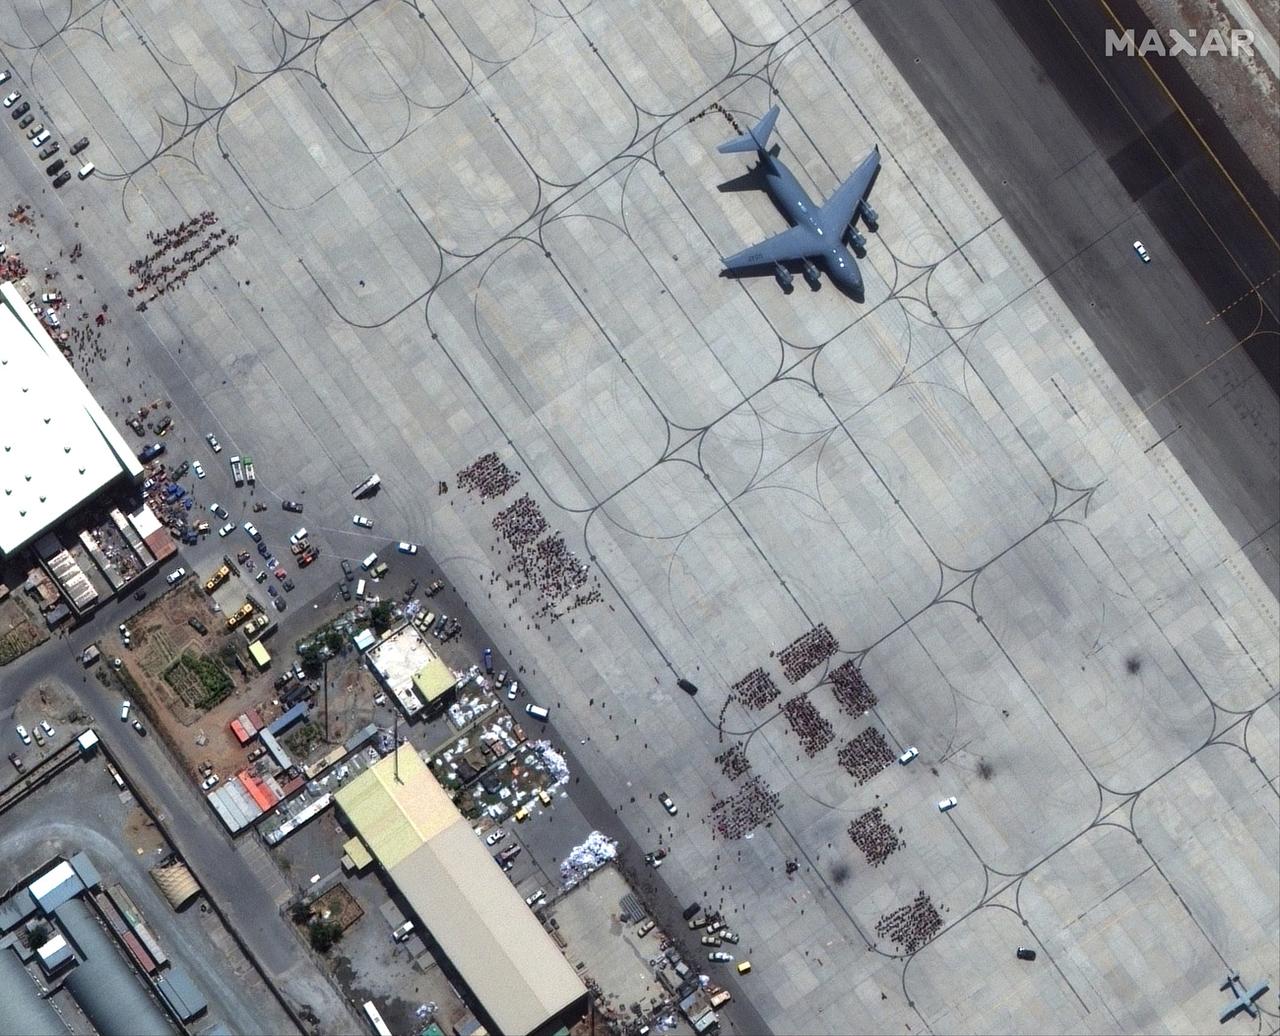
[869, 216]
[856, 241]
[812, 275]
[783, 275]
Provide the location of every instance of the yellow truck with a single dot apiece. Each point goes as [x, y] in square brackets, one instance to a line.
[217, 579]
[239, 615]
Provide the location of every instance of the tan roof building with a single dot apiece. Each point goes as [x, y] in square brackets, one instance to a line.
[460, 894]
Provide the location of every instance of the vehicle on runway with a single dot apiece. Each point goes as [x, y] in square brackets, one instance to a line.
[362, 521]
[198, 468]
[210, 438]
[76, 148]
[819, 232]
[228, 528]
[219, 510]
[291, 505]
[667, 804]
[9, 101]
[20, 111]
[1141, 249]
[252, 530]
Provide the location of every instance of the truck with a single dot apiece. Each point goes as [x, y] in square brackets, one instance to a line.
[237, 470]
[367, 486]
[249, 475]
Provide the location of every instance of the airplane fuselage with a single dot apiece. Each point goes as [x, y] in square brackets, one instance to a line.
[800, 210]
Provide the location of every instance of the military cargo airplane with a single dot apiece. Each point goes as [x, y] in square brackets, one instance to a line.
[819, 232]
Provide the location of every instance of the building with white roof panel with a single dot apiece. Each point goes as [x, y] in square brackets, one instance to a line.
[58, 448]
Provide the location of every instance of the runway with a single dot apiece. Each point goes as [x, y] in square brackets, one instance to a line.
[1081, 149]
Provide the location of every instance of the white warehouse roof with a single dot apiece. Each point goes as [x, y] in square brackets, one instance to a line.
[57, 446]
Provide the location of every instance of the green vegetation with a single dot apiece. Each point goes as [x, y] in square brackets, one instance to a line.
[324, 934]
[300, 742]
[382, 616]
[211, 681]
[39, 936]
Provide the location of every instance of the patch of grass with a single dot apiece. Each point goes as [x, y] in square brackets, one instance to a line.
[202, 681]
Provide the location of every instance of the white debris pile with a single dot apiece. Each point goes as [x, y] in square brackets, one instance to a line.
[553, 762]
[590, 856]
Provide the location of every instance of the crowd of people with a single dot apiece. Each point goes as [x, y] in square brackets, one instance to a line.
[911, 926]
[811, 727]
[756, 689]
[521, 524]
[540, 561]
[807, 652]
[852, 694]
[156, 277]
[488, 476]
[737, 816]
[733, 761]
[872, 834]
[866, 755]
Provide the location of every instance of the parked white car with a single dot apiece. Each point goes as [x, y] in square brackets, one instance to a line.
[214, 445]
[230, 527]
[946, 804]
[198, 468]
[1141, 249]
[176, 575]
[23, 736]
[362, 521]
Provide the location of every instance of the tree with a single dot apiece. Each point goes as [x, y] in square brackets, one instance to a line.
[381, 616]
[38, 936]
[324, 934]
[332, 641]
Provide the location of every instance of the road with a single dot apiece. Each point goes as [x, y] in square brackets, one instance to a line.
[218, 864]
[1084, 154]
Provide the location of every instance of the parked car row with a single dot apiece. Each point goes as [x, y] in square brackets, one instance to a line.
[20, 111]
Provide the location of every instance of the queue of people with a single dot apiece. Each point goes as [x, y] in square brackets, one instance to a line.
[812, 728]
[872, 834]
[866, 755]
[807, 652]
[756, 690]
[753, 804]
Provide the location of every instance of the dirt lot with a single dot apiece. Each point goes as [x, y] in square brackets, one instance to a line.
[177, 672]
[21, 629]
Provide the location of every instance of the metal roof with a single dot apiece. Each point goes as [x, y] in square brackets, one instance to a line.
[460, 894]
[57, 446]
[104, 985]
[21, 1007]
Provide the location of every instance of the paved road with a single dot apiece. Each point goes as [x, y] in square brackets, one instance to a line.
[220, 866]
[1084, 154]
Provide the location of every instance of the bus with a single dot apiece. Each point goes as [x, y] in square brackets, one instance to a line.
[375, 1019]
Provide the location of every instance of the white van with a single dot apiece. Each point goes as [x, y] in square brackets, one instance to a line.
[86, 170]
[369, 562]
[360, 588]
[537, 712]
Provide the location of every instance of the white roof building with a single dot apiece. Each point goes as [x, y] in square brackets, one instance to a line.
[57, 446]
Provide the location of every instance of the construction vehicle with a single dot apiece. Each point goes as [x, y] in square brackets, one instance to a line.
[239, 615]
[217, 579]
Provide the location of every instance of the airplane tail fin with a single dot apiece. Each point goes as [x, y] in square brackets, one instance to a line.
[756, 138]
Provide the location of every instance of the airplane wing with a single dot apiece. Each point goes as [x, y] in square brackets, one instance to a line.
[793, 243]
[839, 209]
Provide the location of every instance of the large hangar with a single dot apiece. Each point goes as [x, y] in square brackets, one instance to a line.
[58, 448]
[459, 893]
